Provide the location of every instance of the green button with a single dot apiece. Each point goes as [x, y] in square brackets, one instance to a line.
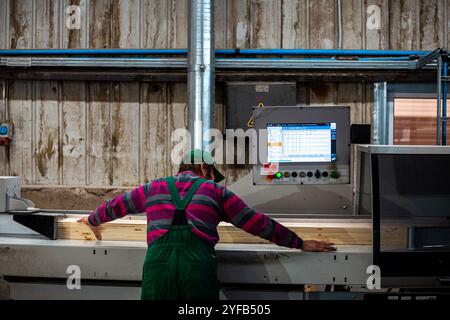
[334, 174]
[278, 175]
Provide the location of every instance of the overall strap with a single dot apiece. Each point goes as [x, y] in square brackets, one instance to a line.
[180, 205]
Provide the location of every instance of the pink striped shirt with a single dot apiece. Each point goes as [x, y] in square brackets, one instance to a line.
[211, 204]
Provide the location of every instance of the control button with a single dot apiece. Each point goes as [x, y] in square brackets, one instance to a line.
[334, 174]
[287, 174]
[294, 174]
[270, 176]
[3, 130]
[309, 174]
[278, 175]
[317, 174]
[302, 174]
[325, 174]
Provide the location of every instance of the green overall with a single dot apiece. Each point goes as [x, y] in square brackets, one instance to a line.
[180, 265]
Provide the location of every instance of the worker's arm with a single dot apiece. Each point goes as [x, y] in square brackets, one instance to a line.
[131, 202]
[239, 214]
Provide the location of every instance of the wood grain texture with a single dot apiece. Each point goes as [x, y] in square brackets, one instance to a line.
[21, 24]
[178, 24]
[239, 24]
[177, 117]
[220, 24]
[20, 108]
[125, 134]
[295, 24]
[154, 131]
[322, 17]
[376, 38]
[431, 24]
[74, 38]
[47, 133]
[100, 13]
[403, 24]
[155, 23]
[4, 21]
[73, 133]
[47, 24]
[266, 24]
[352, 24]
[323, 93]
[98, 129]
[125, 24]
[130, 229]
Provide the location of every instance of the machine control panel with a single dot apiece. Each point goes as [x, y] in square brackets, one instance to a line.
[302, 145]
[304, 175]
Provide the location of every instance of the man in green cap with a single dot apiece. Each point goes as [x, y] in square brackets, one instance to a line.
[183, 212]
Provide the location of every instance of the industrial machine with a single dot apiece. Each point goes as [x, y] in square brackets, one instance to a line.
[407, 186]
[402, 190]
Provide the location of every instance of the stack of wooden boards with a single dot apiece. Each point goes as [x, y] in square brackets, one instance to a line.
[345, 232]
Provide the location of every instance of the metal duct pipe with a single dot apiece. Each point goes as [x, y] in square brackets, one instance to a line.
[201, 70]
[340, 25]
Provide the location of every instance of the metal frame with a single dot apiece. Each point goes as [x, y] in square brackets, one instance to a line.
[440, 57]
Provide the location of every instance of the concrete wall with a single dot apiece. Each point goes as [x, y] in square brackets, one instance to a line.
[109, 134]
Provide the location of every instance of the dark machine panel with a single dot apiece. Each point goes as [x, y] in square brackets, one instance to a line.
[407, 191]
[243, 96]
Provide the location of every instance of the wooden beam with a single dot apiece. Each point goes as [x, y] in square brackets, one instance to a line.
[342, 233]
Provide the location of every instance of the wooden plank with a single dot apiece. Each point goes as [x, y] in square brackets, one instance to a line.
[154, 131]
[351, 94]
[376, 32]
[220, 23]
[177, 117]
[447, 18]
[98, 125]
[340, 233]
[266, 24]
[239, 24]
[47, 24]
[73, 38]
[47, 158]
[100, 12]
[178, 24]
[295, 24]
[155, 23]
[403, 24]
[323, 93]
[125, 23]
[73, 108]
[322, 22]
[20, 108]
[125, 134]
[21, 24]
[431, 24]
[352, 24]
[4, 11]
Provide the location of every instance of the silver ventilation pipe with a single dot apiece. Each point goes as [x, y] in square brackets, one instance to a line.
[340, 25]
[201, 70]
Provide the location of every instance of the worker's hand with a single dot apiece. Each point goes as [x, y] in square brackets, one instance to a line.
[95, 230]
[318, 246]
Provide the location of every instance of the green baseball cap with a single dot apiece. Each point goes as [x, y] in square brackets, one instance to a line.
[198, 156]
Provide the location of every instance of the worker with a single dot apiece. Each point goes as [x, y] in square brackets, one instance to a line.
[183, 212]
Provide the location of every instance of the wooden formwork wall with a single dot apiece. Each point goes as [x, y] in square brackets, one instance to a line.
[109, 134]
